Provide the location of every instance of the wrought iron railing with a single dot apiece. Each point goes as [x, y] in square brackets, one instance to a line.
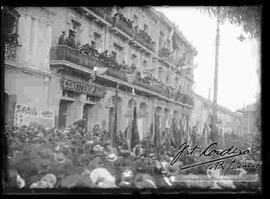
[71, 55]
[65, 53]
[10, 51]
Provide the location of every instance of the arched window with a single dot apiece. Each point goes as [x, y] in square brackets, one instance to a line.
[176, 82]
[160, 71]
[143, 109]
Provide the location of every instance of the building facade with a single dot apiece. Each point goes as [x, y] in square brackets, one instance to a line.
[249, 116]
[52, 76]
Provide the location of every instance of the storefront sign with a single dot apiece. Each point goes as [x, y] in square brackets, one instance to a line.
[25, 115]
[83, 88]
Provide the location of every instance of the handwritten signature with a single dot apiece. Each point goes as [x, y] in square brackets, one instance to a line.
[184, 150]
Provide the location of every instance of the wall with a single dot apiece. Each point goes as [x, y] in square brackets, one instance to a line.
[35, 34]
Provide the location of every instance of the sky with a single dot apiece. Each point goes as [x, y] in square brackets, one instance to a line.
[238, 81]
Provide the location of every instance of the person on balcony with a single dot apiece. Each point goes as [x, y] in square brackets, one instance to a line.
[71, 40]
[62, 38]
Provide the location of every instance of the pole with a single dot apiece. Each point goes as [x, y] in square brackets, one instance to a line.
[115, 118]
[214, 114]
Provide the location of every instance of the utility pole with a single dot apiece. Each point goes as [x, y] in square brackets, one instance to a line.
[214, 136]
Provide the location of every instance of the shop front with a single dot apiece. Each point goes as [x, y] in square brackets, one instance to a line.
[79, 100]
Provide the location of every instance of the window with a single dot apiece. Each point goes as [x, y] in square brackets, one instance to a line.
[145, 28]
[143, 109]
[134, 59]
[167, 77]
[161, 39]
[160, 71]
[120, 52]
[98, 40]
[75, 26]
[176, 82]
[10, 22]
[135, 19]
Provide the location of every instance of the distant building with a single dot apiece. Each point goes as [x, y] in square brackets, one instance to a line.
[248, 119]
[228, 120]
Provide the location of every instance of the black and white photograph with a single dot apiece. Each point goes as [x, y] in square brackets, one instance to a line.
[132, 98]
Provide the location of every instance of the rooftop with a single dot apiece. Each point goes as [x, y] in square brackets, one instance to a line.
[248, 108]
[220, 108]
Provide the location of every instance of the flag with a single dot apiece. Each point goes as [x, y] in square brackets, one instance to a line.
[173, 41]
[135, 138]
[128, 131]
[156, 132]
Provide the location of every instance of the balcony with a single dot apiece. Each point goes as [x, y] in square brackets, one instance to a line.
[128, 29]
[65, 55]
[103, 12]
[68, 54]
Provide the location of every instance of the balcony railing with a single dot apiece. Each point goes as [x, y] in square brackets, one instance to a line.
[102, 12]
[132, 33]
[71, 55]
[10, 51]
[65, 53]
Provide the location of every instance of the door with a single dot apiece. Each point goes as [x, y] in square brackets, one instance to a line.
[111, 122]
[6, 108]
[63, 107]
[86, 109]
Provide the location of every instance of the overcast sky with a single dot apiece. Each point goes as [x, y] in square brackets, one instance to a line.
[238, 81]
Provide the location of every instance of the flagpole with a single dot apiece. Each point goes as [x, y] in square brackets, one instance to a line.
[115, 119]
[131, 120]
[214, 115]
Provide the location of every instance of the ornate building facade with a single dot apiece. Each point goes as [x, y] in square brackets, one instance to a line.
[68, 63]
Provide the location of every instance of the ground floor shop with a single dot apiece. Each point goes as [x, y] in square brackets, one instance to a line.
[63, 99]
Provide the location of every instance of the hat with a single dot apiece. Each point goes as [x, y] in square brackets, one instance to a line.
[112, 157]
[70, 180]
[153, 156]
[50, 179]
[99, 175]
[127, 175]
[107, 184]
[142, 180]
[171, 169]
[20, 181]
[40, 185]
[59, 157]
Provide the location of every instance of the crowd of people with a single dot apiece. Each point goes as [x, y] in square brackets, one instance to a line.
[39, 157]
[130, 24]
[108, 59]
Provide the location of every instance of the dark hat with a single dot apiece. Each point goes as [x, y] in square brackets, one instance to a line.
[144, 181]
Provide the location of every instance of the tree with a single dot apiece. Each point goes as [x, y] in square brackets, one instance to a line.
[248, 17]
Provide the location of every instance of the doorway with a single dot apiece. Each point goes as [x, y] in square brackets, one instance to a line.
[6, 103]
[63, 110]
[86, 112]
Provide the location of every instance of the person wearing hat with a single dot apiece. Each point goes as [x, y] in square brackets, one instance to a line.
[167, 176]
[62, 38]
[102, 178]
[80, 125]
[143, 180]
[70, 41]
[127, 178]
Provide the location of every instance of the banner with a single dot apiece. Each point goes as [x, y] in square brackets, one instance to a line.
[25, 115]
